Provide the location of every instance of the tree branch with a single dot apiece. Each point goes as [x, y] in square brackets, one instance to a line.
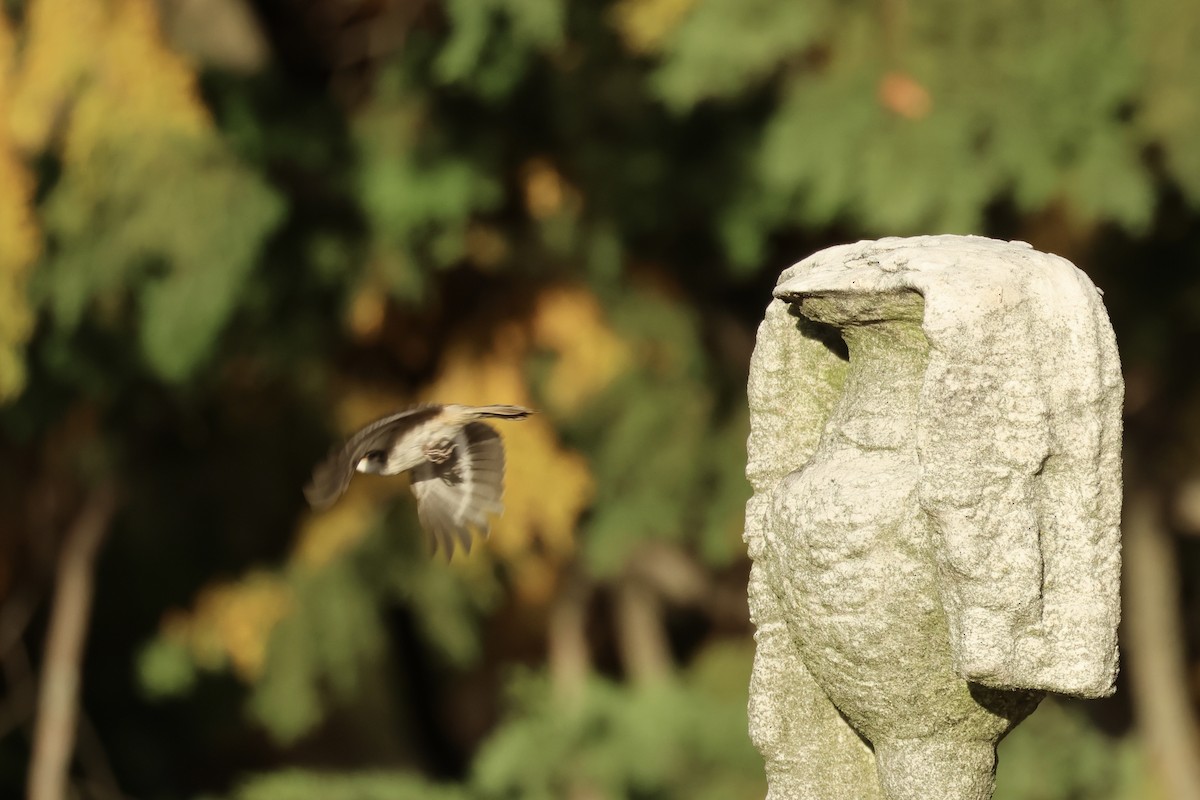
[1152, 632]
[569, 657]
[58, 693]
[640, 635]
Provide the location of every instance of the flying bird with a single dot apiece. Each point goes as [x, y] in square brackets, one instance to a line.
[457, 465]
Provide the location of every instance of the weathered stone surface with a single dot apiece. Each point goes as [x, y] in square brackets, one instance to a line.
[934, 524]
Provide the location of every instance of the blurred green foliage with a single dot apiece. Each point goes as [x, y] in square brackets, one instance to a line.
[669, 739]
[300, 785]
[1060, 755]
[915, 118]
[139, 221]
[660, 479]
[576, 206]
[657, 740]
[417, 193]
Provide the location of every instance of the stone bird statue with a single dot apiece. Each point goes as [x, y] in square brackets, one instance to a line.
[935, 526]
[457, 465]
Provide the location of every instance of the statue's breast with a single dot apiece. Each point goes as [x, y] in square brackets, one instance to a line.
[847, 504]
[861, 583]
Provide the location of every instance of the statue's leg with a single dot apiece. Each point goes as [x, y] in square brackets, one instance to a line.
[811, 752]
[919, 769]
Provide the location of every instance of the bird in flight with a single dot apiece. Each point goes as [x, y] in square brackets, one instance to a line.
[457, 465]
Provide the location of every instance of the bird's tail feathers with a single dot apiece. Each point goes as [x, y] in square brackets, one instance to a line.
[502, 412]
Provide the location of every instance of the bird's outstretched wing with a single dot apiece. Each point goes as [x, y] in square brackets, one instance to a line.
[332, 476]
[460, 493]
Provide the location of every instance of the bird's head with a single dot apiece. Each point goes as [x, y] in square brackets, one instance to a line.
[373, 462]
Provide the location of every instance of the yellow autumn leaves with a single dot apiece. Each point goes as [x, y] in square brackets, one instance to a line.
[20, 243]
[231, 623]
[108, 62]
[87, 72]
[20, 238]
[645, 24]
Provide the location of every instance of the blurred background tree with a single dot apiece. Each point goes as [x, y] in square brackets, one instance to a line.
[230, 231]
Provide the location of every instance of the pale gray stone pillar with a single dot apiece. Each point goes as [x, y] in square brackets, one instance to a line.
[935, 519]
